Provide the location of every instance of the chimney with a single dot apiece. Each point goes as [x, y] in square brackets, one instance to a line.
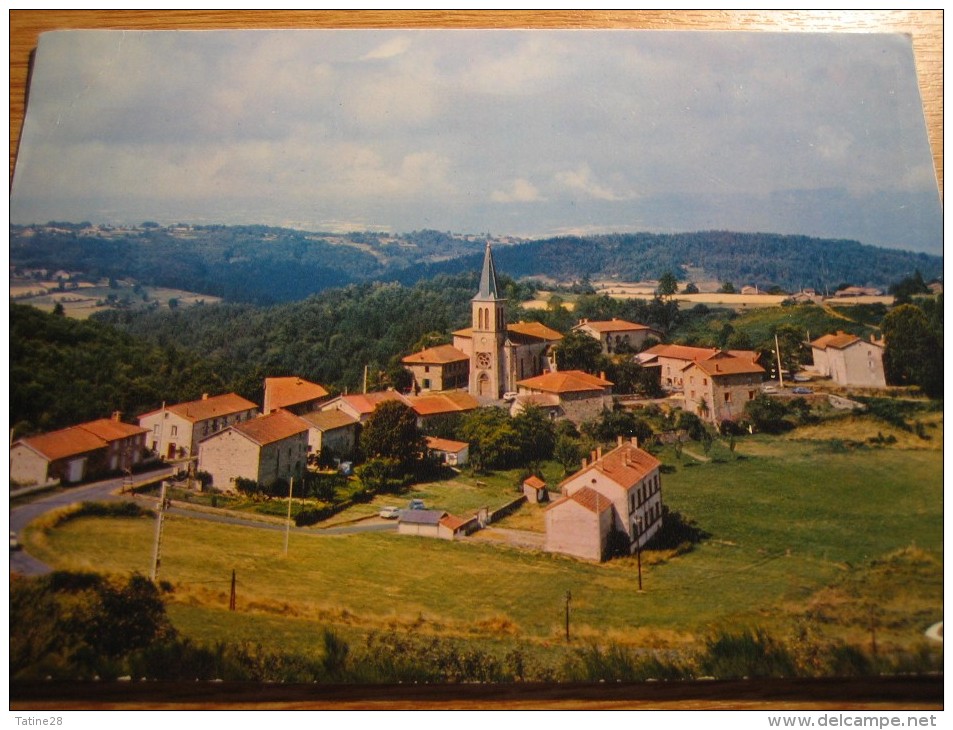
[117, 415]
[599, 452]
[635, 441]
[592, 456]
[602, 374]
[584, 462]
[204, 396]
[619, 441]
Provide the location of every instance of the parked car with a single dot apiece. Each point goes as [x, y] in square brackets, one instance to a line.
[768, 389]
[509, 396]
[802, 391]
[14, 542]
[417, 504]
[390, 513]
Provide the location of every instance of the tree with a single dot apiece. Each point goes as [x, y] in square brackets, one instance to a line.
[913, 351]
[379, 476]
[615, 423]
[904, 290]
[727, 288]
[391, 433]
[667, 285]
[767, 414]
[59, 310]
[791, 339]
[536, 433]
[579, 351]
[493, 439]
[690, 288]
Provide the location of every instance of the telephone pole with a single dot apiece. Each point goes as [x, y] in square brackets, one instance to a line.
[158, 539]
[291, 485]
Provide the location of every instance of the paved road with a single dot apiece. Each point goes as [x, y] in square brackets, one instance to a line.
[22, 562]
[20, 517]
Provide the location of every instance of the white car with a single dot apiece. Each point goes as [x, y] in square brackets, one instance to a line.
[390, 513]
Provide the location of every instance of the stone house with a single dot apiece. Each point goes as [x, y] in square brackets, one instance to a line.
[618, 491]
[716, 389]
[262, 449]
[175, 431]
[438, 368]
[571, 394]
[849, 360]
[618, 335]
[292, 394]
[73, 454]
[335, 430]
[360, 406]
[671, 360]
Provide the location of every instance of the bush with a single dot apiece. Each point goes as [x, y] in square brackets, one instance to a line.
[748, 654]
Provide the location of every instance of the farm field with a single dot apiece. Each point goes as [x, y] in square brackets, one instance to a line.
[803, 535]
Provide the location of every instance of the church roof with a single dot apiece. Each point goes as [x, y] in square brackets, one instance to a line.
[489, 288]
[533, 329]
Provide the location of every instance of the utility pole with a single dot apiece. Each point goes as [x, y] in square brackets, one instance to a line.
[638, 547]
[291, 485]
[777, 351]
[158, 539]
[568, 599]
[231, 597]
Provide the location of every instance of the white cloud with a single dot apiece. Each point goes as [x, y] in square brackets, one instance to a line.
[581, 180]
[389, 49]
[520, 190]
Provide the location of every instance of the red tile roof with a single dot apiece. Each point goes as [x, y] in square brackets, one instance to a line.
[203, 409]
[81, 439]
[588, 498]
[451, 447]
[64, 443]
[624, 466]
[273, 427]
[109, 429]
[535, 482]
[440, 355]
[284, 392]
[436, 403]
[534, 329]
[718, 366]
[365, 403]
[838, 341]
[454, 523]
[565, 381]
[329, 420]
[612, 325]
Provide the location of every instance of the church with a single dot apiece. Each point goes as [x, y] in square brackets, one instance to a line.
[495, 353]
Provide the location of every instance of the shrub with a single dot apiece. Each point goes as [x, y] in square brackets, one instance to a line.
[748, 654]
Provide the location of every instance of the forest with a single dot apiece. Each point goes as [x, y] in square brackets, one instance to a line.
[243, 264]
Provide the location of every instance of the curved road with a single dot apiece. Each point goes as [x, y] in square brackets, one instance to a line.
[22, 562]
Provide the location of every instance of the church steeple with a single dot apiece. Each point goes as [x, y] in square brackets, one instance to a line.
[487, 366]
[489, 288]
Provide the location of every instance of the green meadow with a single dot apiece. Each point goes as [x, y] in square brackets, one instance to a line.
[842, 542]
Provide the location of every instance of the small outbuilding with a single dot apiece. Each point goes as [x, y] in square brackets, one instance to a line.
[535, 490]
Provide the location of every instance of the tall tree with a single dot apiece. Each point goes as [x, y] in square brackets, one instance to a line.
[391, 432]
[913, 352]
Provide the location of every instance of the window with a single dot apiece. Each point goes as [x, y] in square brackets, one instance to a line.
[426, 368]
[728, 397]
[750, 395]
[174, 431]
[155, 430]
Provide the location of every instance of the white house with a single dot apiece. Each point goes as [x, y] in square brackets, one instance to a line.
[849, 360]
[175, 431]
[618, 491]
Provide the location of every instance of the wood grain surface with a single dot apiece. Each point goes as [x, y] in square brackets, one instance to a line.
[924, 26]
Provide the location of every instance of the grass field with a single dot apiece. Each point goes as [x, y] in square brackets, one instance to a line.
[802, 533]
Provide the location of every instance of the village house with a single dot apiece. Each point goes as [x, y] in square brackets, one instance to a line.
[335, 430]
[619, 491]
[848, 360]
[292, 394]
[434, 523]
[571, 394]
[360, 406]
[451, 453]
[438, 368]
[92, 449]
[500, 353]
[535, 491]
[618, 335]
[717, 388]
[671, 361]
[175, 431]
[263, 449]
[433, 405]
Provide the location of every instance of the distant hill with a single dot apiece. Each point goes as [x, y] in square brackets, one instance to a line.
[263, 265]
[762, 259]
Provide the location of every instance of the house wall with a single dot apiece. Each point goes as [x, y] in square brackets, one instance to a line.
[406, 528]
[724, 396]
[448, 376]
[821, 361]
[340, 440]
[860, 364]
[524, 361]
[227, 456]
[572, 529]
[283, 459]
[27, 466]
[581, 407]
[642, 500]
[166, 427]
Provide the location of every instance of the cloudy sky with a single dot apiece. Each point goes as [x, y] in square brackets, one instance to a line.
[527, 133]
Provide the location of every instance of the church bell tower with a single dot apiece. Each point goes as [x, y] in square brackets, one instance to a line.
[489, 334]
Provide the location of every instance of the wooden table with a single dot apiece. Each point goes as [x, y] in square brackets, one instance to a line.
[925, 26]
